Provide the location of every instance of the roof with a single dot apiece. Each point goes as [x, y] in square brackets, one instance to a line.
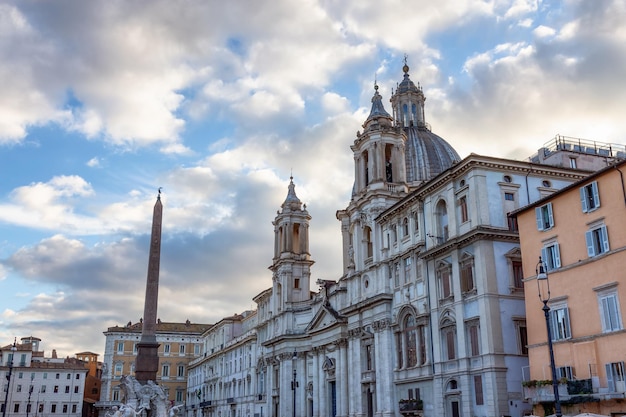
[163, 327]
[569, 187]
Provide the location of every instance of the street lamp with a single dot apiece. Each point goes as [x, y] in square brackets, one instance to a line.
[6, 395]
[294, 383]
[543, 287]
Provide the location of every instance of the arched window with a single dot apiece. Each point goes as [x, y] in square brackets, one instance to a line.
[405, 227]
[410, 340]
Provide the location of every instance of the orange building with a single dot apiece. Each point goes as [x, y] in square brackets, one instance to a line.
[580, 234]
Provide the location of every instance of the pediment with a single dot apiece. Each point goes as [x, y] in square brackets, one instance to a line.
[325, 317]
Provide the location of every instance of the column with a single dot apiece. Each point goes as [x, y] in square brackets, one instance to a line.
[343, 377]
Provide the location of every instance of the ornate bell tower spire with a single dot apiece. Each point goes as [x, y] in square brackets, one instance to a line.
[292, 262]
[147, 363]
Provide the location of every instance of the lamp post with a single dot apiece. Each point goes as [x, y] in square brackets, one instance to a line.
[6, 395]
[543, 287]
[294, 383]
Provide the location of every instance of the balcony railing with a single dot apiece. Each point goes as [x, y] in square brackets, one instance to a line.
[411, 407]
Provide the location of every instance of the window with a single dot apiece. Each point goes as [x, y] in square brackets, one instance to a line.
[597, 240]
[166, 348]
[522, 336]
[407, 269]
[559, 323]
[28, 408]
[405, 227]
[16, 407]
[509, 196]
[40, 408]
[410, 340]
[19, 388]
[572, 162]
[76, 389]
[609, 310]
[467, 273]
[473, 336]
[64, 408]
[565, 372]
[68, 376]
[196, 349]
[615, 376]
[449, 342]
[443, 278]
[416, 222]
[369, 249]
[67, 389]
[118, 369]
[45, 375]
[442, 222]
[181, 371]
[463, 209]
[56, 389]
[518, 274]
[545, 218]
[116, 395]
[58, 376]
[296, 283]
[73, 408]
[165, 371]
[120, 347]
[179, 396]
[43, 389]
[396, 274]
[53, 408]
[589, 197]
[478, 389]
[551, 256]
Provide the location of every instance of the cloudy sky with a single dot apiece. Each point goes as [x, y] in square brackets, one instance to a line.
[219, 103]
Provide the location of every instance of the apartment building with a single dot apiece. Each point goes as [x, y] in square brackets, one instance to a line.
[580, 234]
[179, 343]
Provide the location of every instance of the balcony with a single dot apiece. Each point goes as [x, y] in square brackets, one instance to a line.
[204, 404]
[411, 407]
[570, 391]
[230, 400]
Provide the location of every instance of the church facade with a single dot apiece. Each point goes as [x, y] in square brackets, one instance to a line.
[427, 316]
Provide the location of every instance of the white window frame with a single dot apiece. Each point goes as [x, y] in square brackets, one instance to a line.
[551, 255]
[589, 197]
[559, 322]
[608, 305]
[544, 217]
[597, 240]
[615, 376]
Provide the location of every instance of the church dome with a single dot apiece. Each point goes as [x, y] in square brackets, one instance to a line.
[427, 154]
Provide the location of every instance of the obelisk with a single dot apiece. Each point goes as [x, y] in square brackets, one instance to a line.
[147, 362]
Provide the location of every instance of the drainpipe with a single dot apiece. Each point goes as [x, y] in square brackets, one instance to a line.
[621, 174]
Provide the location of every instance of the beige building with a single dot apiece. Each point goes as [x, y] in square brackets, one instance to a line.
[580, 234]
[179, 343]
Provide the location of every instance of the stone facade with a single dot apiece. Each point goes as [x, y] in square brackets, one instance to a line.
[427, 316]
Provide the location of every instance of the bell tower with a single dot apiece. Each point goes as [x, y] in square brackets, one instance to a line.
[291, 265]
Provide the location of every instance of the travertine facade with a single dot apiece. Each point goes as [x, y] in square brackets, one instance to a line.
[427, 317]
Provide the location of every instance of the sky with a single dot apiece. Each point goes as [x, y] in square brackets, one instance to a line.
[219, 103]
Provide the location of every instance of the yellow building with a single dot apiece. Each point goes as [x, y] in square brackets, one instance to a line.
[580, 234]
[179, 343]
